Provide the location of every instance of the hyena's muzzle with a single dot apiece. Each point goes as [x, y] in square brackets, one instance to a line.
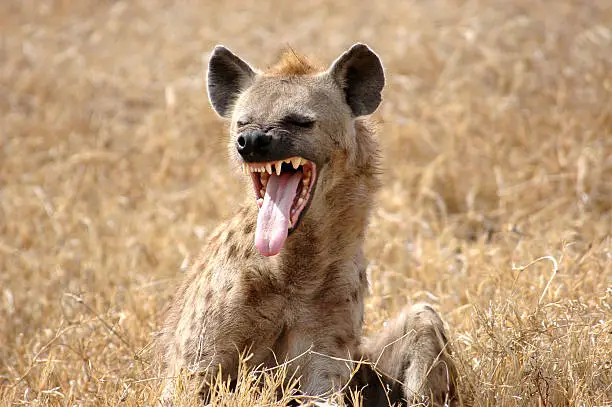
[283, 180]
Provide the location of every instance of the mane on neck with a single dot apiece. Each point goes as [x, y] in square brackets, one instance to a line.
[334, 227]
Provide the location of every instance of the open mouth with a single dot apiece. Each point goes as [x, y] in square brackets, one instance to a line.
[283, 190]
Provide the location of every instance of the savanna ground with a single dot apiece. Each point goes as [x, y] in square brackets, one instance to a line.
[497, 205]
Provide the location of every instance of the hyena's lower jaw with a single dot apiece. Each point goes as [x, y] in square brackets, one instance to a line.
[283, 190]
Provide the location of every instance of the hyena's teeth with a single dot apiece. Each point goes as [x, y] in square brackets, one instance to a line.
[273, 167]
[260, 202]
[296, 162]
[305, 184]
[262, 191]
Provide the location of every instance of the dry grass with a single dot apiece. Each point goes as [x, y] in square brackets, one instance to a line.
[497, 207]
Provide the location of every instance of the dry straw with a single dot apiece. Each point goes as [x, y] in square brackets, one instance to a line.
[497, 205]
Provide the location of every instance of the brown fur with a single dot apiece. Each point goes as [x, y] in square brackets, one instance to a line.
[293, 64]
[309, 299]
[411, 356]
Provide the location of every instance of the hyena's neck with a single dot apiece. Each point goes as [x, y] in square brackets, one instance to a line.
[333, 230]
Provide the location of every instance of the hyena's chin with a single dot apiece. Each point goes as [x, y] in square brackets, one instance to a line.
[283, 190]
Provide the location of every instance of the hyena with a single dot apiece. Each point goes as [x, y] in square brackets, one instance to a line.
[285, 278]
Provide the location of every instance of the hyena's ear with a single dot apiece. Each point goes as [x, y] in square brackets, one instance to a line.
[227, 76]
[360, 75]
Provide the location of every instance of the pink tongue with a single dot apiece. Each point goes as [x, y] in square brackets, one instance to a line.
[273, 219]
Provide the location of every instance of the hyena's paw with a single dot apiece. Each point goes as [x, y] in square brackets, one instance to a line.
[412, 353]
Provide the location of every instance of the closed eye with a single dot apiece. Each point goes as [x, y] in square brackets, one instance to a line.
[299, 121]
[240, 123]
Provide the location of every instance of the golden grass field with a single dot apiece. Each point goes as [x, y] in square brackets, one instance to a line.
[496, 126]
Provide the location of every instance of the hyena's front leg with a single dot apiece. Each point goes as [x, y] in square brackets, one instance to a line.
[212, 331]
[195, 382]
[320, 357]
[411, 356]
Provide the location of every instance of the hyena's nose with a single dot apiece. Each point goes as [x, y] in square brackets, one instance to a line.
[252, 144]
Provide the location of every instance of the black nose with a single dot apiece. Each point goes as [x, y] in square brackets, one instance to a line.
[253, 143]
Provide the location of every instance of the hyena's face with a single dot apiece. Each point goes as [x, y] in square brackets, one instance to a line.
[285, 129]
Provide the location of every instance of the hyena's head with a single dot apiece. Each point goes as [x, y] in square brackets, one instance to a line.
[289, 125]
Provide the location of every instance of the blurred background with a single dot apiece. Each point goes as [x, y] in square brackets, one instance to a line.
[496, 127]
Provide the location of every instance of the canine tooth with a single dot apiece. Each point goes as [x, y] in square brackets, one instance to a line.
[296, 161]
[279, 168]
[245, 169]
[269, 168]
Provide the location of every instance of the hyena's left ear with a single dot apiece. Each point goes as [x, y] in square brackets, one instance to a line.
[227, 76]
[359, 73]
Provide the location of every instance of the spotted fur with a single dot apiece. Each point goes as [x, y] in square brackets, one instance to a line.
[307, 303]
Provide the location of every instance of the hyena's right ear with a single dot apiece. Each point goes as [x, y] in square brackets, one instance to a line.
[227, 76]
[360, 75]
